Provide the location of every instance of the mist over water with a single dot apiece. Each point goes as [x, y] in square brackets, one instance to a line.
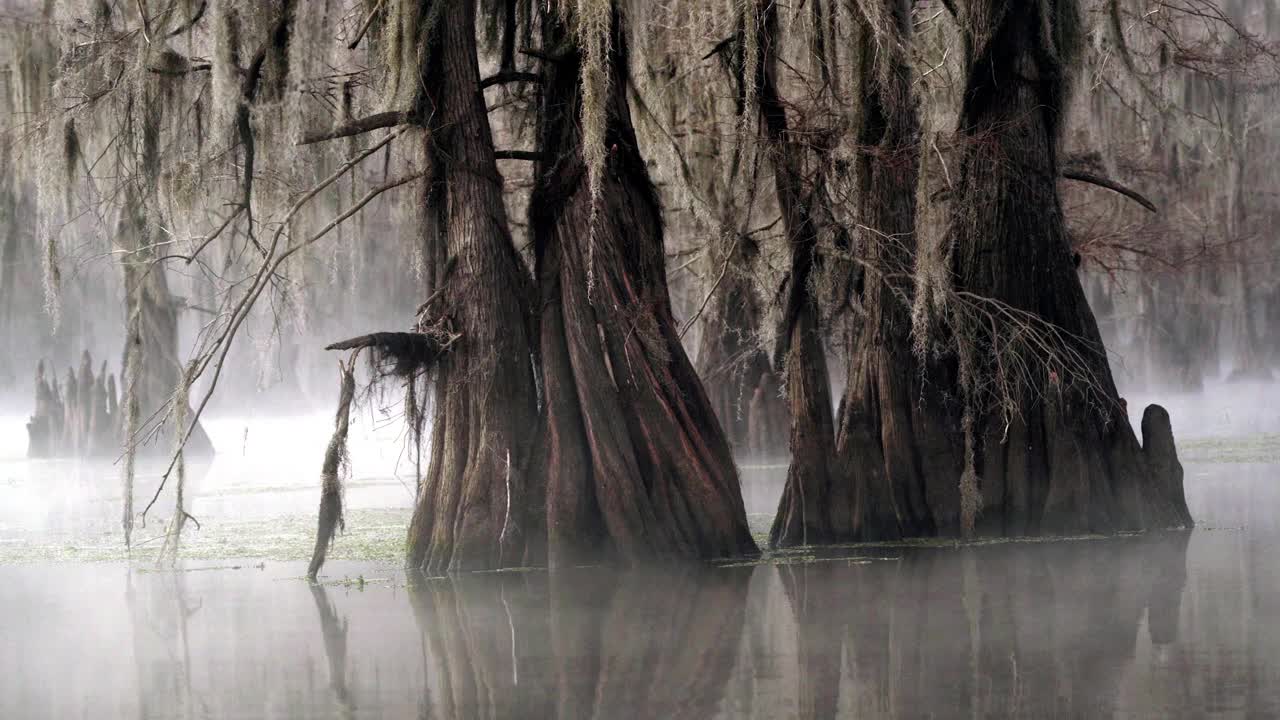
[1161, 625]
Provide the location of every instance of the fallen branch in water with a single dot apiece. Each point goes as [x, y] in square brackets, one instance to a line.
[335, 461]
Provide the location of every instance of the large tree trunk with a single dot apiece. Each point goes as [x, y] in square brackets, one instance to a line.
[639, 466]
[152, 329]
[879, 487]
[803, 203]
[473, 507]
[876, 485]
[1067, 460]
[891, 444]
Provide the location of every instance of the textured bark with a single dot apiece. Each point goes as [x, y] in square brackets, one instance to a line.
[638, 464]
[472, 510]
[888, 444]
[807, 495]
[331, 516]
[1063, 464]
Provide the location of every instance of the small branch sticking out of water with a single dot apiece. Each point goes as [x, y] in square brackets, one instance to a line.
[335, 460]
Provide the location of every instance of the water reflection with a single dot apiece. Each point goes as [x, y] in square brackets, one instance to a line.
[990, 631]
[1161, 626]
[333, 629]
[159, 613]
[585, 643]
[1041, 630]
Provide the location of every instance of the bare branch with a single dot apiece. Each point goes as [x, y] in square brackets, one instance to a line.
[510, 76]
[1092, 179]
[357, 127]
[364, 26]
[724, 269]
[190, 23]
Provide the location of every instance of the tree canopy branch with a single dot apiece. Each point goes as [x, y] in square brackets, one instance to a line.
[1102, 182]
[509, 76]
[357, 127]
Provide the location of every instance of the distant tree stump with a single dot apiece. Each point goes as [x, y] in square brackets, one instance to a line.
[83, 416]
[80, 418]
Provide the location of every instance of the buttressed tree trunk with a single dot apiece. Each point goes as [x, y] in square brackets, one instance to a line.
[805, 210]
[893, 458]
[1067, 460]
[473, 508]
[639, 467]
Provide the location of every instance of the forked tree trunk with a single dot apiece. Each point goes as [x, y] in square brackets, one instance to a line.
[638, 464]
[1067, 461]
[889, 446]
[473, 508]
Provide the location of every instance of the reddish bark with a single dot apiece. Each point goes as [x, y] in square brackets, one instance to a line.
[638, 464]
[473, 509]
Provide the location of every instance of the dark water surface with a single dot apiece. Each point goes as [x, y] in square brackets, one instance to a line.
[1160, 626]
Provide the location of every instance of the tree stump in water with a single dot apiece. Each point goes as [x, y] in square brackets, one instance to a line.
[83, 417]
[1162, 463]
[80, 418]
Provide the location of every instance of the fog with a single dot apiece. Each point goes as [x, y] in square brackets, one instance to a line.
[1180, 624]
[633, 359]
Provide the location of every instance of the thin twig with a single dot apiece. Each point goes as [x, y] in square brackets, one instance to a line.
[364, 26]
[724, 269]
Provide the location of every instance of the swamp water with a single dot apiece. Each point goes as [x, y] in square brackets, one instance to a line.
[1161, 626]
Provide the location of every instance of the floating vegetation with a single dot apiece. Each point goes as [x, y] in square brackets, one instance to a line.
[376, 535]
[1261, 448]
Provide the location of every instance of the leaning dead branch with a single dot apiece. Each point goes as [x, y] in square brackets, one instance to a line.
[1113, 186]
[335, 463]
[217, 354]
[357, 127]
[410, 351]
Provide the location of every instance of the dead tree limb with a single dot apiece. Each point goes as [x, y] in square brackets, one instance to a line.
[364, 27]
[357, 127]
[409, 350]
[335, 460]
[1113, 186]
[509, 76]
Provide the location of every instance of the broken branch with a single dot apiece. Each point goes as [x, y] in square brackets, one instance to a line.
[357, 127]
